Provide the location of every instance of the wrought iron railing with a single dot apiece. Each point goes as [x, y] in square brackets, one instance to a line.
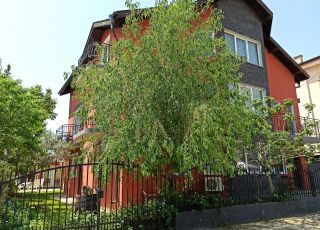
[301, 123]
[66, 132]
[89, 196]
[315, 126]
[91, 53]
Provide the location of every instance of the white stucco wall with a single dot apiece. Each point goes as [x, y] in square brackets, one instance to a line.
[313, 69]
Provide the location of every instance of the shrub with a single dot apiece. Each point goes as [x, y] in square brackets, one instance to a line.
[147, 214]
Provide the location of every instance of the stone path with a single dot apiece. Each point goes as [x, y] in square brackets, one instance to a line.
[305, 222]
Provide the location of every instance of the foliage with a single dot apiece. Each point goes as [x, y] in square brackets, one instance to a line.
[43, 211]
[23, 112]
[141, 216]
[280, 145]
[186, 201]
[57, 149]
[165, 98]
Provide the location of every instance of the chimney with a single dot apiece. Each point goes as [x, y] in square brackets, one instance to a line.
[298, 59]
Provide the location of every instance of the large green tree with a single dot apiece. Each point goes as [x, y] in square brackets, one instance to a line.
[23, 115]
[165, 98]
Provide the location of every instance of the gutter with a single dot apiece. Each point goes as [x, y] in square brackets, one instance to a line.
[112, 25]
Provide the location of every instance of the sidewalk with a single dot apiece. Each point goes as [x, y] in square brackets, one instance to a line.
[304, 222]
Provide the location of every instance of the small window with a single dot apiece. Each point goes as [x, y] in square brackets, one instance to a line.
[253, 53]
[247, 93]
[252, 93]
[230, 40]
[244, 47]
[241, 48]
[106, 54]
[257, 93]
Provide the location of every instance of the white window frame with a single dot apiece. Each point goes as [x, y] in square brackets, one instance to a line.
[106, 52]
[247, 40]
[251, 88]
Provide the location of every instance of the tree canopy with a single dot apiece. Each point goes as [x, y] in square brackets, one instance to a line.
[23, 115]
[166, 97]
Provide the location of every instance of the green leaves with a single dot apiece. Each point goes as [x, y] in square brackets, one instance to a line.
[23, 112]
[164, 97]
[281, 142]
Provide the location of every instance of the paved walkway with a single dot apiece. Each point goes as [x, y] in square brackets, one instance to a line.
[305, 222]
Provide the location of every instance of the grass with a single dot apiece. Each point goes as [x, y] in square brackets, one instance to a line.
[39, 208]
[45, 209]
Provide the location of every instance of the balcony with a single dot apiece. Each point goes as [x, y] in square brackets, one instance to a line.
[66, 132]
[76, 133]
[91, 53]
[294, 127]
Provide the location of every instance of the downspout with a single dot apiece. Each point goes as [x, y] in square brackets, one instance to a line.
[112, 21]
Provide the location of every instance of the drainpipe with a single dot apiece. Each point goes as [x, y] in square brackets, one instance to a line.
[112, 21]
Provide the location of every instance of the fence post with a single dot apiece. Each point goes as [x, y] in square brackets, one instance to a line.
[312, 184]
[99, 192]
[0, 187]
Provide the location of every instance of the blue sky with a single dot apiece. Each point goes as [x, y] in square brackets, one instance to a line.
[41, 39]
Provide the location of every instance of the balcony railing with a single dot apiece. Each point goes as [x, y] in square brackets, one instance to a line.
[315, 126]
[91, 53]
[279, 124]
[68, 131]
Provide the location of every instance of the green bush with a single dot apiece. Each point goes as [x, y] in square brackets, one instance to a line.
[195, 201]
[18, 216]
[142, 215]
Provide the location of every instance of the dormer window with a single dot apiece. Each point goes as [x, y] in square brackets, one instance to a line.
[244, 47]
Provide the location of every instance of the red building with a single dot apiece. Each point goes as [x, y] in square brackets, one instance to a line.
[269, 71]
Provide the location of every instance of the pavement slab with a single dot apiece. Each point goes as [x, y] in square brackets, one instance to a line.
[303, 222]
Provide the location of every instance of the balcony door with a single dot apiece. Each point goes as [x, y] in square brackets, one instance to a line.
[293, 123]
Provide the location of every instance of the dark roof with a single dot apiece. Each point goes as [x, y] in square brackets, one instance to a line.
[66, 88]
[264, 13]
[97, 29]
[286, 59]
[96, 32]
[310, 60]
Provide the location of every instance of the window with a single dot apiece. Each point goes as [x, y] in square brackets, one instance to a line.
[106, 53]
[252, 93]
[293, 127]
[253, 53]
[241, 48]
[244, 47]
[230, 41]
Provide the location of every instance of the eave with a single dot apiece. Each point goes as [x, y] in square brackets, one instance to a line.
[98, 28]
[310, 63]
[286, 59]
[66, 88]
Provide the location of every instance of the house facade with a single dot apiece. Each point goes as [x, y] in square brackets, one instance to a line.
[309, 91]
[269, 71]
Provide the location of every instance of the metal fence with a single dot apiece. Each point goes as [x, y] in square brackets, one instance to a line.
[116, 195]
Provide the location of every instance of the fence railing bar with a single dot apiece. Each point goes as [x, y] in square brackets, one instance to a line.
[74, 167]
[60, 194]
[124, 192]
